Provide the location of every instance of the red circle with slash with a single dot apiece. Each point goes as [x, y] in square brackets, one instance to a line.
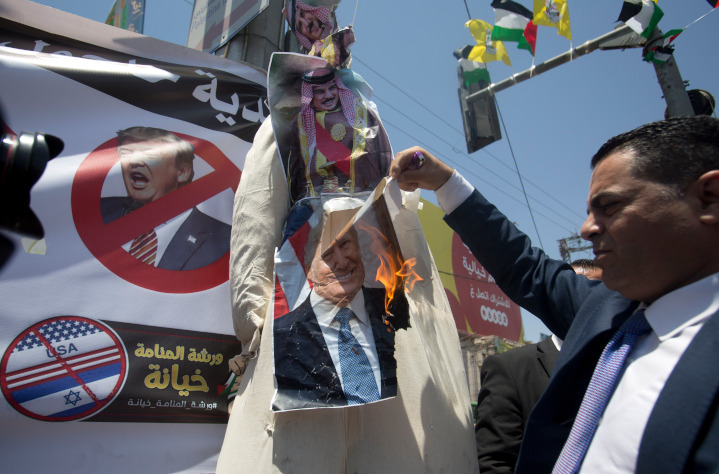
[65, 368]
[105, 241]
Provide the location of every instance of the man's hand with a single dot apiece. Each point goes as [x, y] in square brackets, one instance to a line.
[431, 175]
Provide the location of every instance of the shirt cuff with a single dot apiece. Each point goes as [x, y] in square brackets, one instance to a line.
[453, 193]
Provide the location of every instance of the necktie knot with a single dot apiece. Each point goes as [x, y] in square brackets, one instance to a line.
[637, 324]
[344, 315]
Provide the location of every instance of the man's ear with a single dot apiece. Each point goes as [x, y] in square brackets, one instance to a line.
[183, 172]
[708, 193]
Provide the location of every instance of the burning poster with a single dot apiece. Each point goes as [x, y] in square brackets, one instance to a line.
[328, 132]
[334, 332]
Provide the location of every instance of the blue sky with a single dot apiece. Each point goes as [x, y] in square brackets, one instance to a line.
[554, 122]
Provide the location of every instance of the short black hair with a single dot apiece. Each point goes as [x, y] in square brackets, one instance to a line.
[674, 152]
[585, 264]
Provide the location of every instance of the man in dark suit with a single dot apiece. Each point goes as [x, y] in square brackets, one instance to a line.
[653, 221]
[309, 366]
[510, 385]
[154, 163]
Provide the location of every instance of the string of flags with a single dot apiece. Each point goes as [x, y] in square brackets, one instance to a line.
[554, 14]
[513, 22]
[660, 54]
[487, 49]
[642, 16]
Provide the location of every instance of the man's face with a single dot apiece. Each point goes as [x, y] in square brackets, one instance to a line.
[645, 240]
[308, 24]
[325, 96]
[338, 272]
[149, 170]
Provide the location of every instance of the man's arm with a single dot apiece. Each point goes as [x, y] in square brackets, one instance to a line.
[547, 288]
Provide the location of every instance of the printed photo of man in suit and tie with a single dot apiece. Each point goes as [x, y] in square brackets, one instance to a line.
[154, 163]
[335, 349]
[328, 131]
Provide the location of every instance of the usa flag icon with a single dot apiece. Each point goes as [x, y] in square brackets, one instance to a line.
[63, 368]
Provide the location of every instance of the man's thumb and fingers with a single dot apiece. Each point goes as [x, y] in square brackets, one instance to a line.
[417, 168]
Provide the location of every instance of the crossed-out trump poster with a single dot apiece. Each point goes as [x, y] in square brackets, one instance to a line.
[116, 326]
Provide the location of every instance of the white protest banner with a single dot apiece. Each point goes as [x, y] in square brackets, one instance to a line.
[109, 362]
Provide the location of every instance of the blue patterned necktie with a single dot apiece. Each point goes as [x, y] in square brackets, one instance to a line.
[600, 389]
[357, 377]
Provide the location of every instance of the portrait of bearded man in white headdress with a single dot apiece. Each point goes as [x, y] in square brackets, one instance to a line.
[335, 136]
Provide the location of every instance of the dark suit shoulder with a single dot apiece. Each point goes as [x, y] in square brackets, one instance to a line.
[206, 223]
[517, 352]
[304, 371]
[303, 312]
[199, 241]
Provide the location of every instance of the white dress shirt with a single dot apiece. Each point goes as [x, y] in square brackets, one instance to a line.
[675, 319]
[360, 326]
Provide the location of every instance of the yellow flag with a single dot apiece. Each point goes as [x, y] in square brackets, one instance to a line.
[486, 50]
[553, 13]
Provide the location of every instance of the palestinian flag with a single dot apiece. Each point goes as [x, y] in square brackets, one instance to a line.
[487, 50]
[473, 71]
[661, 53]
[714, 3]
[513, 22]
[641, 15]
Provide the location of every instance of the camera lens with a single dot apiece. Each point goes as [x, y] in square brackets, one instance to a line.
[23, 159]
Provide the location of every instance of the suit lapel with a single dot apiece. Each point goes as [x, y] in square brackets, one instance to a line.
[305, 362]
[322, 360]
[682, 409]
[186, 241]
[383, 339]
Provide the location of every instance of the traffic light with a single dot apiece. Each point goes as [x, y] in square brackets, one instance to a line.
[481, 124]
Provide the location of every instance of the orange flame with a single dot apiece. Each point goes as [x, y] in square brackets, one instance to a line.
[393, 272]
[408, 274]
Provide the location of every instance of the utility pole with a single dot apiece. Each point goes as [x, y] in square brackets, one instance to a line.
[570, 245]
[670, 80]
[255, 43]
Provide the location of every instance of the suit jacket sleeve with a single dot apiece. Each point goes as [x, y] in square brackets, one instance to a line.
[545, 287]
[260, 210]
[500, 418]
